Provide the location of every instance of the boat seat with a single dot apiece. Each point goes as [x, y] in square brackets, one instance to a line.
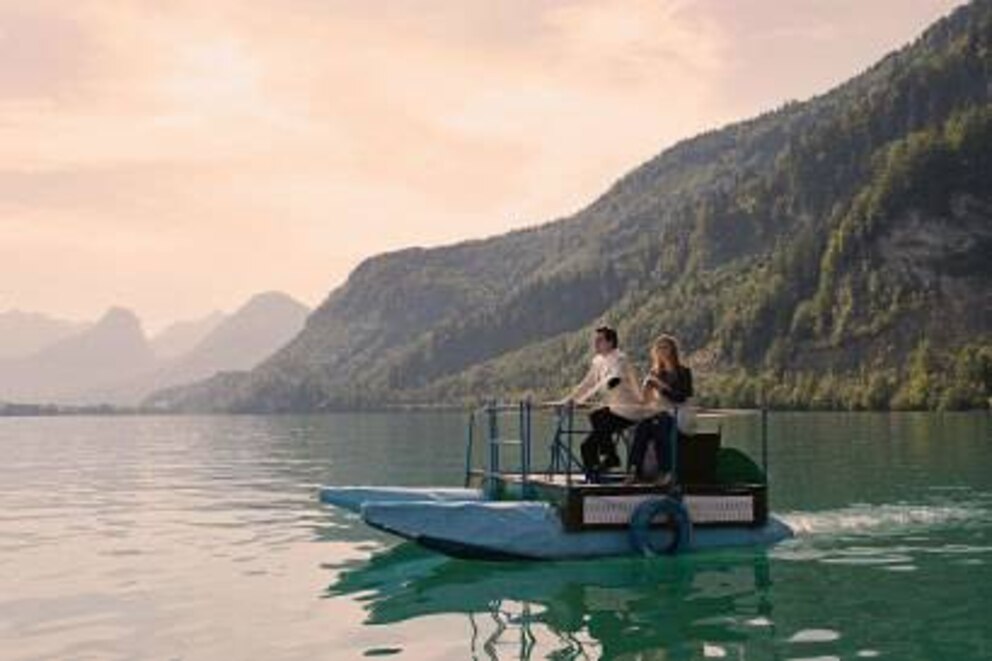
[697, 454]
[697, 457]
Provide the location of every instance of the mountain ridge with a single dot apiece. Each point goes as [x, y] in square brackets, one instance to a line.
[182, 336]
[246, 336]
[23, 333]
[113, 362]
[111, 349]
[761, 244]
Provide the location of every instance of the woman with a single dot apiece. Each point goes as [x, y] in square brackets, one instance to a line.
[668, 385]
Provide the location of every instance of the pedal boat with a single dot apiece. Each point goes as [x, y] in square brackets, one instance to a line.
[718, 499]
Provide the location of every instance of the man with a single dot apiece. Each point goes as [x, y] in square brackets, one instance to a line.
[613, 377]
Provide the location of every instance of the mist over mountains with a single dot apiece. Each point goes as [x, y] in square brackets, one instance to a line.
[113, 361]
[182, 336]
[23, 333]
[832, 253]
[112, 349]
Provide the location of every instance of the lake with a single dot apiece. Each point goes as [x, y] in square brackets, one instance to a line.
[201, 538]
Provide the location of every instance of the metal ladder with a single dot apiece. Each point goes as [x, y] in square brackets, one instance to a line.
[491, 413]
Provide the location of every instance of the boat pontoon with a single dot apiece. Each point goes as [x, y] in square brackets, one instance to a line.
[718, 498]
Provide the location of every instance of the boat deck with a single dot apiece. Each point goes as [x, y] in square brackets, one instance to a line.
[585, 506]
[712, 498]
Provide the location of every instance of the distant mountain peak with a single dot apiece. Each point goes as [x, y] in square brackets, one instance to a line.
[112, 349]
[112, 361]
[270, 300]
[244, 338]
[119, 316]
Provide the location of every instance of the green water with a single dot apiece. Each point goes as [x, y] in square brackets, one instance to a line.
[200, 538]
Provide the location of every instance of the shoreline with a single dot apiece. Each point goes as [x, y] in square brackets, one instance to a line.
[18, 410]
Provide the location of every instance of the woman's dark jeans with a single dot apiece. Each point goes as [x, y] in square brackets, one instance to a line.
[653, 432]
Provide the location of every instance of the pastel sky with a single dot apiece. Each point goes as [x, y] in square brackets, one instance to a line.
[176, 156]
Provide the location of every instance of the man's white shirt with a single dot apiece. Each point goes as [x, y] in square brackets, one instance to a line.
[625, 398]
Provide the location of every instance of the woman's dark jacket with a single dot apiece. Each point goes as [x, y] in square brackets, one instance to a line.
[678, 382]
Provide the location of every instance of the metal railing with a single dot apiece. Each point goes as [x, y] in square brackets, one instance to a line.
[562, 460]
[562, 455]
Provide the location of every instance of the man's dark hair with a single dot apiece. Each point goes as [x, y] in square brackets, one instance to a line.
[610, 335]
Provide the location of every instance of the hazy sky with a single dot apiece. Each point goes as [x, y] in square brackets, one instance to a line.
[176, 156]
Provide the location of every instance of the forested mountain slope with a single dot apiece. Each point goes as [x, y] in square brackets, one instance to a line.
[832, 253]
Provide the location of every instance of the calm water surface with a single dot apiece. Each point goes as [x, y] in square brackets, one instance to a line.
[200, 538]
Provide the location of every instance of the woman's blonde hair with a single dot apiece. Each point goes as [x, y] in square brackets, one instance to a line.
[656, 352]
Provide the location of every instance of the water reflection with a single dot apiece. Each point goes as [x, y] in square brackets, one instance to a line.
[676, 608]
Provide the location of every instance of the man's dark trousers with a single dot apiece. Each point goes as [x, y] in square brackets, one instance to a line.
[605, 424]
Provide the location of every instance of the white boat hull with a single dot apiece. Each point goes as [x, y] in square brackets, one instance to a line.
[352, 498]
[459, 522]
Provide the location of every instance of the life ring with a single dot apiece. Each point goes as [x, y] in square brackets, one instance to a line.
[678, 522]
